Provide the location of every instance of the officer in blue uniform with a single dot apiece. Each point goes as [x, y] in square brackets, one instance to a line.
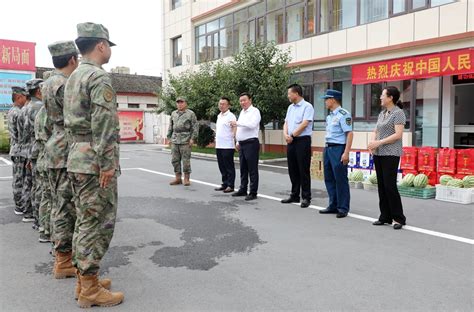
[336, 154]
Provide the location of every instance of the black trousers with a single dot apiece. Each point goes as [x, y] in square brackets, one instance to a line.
[248, 156]
[390, 202]
[225, 160]
[298, 154]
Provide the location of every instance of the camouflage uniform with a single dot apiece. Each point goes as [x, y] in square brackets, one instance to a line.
[43, 129]
[32, 151]
[183, 128]
[90, 114]
[15, 153]
[23, 141]
[63, 211]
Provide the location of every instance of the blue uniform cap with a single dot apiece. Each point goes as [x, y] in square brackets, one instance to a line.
[332, 94]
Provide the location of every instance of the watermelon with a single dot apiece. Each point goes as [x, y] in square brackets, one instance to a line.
[468, 181]
[420, 181]
[444, 179]
[357, 176]
[373, 178]
[455, 183]
[350, 176]
[408, 180]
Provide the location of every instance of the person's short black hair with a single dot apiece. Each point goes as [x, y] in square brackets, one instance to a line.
[226, 99]
[62, 61]
[87, 45]
[296, 88]
[246, 94]
[14, 97]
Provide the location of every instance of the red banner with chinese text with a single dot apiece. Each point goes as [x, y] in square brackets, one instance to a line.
[416, 67]
[17, 55]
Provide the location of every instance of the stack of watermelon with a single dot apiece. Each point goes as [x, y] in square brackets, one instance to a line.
[466, 182]
[418, 181]
[372, 178]
[356, 176]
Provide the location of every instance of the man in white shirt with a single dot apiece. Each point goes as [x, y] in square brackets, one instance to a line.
[225, 145]
[248, 127]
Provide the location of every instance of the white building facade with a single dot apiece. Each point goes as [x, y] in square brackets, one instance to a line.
[332, 40]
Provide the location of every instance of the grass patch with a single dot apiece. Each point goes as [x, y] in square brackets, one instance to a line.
[263, 156]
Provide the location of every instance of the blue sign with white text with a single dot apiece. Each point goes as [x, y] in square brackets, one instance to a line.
[7, 81]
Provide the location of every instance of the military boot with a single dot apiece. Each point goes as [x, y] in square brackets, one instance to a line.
[63, 267]
[186, 179]
[93, 294]
[106, 283]
[177, 180]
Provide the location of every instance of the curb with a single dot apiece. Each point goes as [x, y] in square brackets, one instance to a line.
[212, 156]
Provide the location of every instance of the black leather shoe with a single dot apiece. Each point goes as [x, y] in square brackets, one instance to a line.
[305, 203]
[327, 211]
[290, 200]
[229, 189]
[397, 226]
[251, 197]
[239, 193]
[378, 222]
[219, 189]
[341, 215]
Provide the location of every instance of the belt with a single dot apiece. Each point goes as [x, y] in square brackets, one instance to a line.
[81, 138]
[301, 137]
[334, 144]
[181, 131]
[248, 141]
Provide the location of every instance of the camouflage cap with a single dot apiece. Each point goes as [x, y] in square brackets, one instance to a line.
[33, 84]
[18, 90]
[181, 99]
[91, 30]
[47, 74]
[60, 48]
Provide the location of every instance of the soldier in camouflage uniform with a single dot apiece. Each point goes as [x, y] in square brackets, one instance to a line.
[182, 132]
[43, 129]
[18, 99]
[30, 151]
[90, 115]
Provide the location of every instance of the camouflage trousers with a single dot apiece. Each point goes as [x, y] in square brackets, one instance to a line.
[18, 167]
[36, 189]
[26, 194]
[96, 211]
[63, 210]
[45, 205]
[181, 153]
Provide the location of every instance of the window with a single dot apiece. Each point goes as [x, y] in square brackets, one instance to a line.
[177, 51]
[344, 14]
[320, 111]
[176, 4]
[295, 22]
[151, 106]
[418, 4]
[373, 10]
[324, 12]
[374, 96]
[201, 51]
[398, 7]
[405, 88]
[311, 17]
[275, 5]
[133, 105]
[426, 112]
[359, 102]
[225, 44]
[240, 36]
[275, 27]
[440, 2]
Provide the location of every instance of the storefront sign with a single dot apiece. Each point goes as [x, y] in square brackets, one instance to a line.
[131, 125]
[416, 67]
[7, 81]
[17, 55]
[463, 78]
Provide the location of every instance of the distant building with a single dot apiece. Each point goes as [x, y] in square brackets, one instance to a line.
[120, 70]
[137, 99]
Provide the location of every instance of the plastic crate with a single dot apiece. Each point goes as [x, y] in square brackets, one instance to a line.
[454, 194]
[356, 185]
[421, 193]
[370, 187]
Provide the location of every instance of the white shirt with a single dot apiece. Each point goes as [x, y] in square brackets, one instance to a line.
[248, 124]
[224, 132]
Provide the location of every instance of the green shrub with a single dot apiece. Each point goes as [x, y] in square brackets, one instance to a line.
[4, 142]
[206, 135]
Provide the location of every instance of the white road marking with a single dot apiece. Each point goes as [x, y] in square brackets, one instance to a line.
[6, 161]
[6, 178]
[121, 158]
[352, 215]
[273, 166]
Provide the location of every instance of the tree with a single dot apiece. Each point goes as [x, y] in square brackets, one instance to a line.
[262, 70]
[202, 89]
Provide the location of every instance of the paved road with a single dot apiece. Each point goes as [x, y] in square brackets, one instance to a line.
[190, 249]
